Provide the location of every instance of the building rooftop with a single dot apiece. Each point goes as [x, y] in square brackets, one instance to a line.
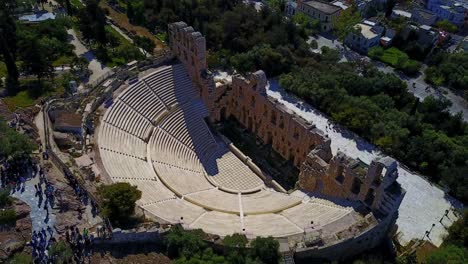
[37, 17]
[341, 4]
[402, 13]
[366, 31]
[323, 7]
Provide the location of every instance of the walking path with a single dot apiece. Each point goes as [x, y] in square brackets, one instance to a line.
[96, 67]
[424, 203]
[39, 217]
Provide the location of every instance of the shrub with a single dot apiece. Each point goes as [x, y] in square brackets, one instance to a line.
[7, 217]
[61, 252]
[5, 199]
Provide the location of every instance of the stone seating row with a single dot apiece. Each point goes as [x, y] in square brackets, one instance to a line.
[185, 91]
[143, 100]
[181, 181]
[121, 166]
[127, 119]
[151, 191]
[111, 137]
[186, 124]
[162, 83]
[167, 149]
[304, 214]
[225, 169]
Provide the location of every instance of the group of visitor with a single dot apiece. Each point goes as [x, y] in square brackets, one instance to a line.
[80, 243]
[15, 172]
[40, 243]
[47, 191]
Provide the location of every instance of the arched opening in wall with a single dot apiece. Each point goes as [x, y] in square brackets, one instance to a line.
[370, 197]
[273, 117]
[269, 138]
[319, 186]
[340, 176]
[222, 114]
[291, 155]
[243, 116]
[356, 187]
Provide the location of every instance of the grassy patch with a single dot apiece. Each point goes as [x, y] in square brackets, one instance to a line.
[77, 3]
[393, 56]
[113, 32]
[396, 58]
[32, 92]
[63, 60]
[21, 100]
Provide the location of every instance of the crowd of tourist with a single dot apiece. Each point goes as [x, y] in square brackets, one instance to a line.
[14, 173]
[40, 243]
[80, 243]
[47, 192]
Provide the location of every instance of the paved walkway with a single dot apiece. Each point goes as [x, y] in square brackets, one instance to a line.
[38, 215]
[424, 203]
[96, 67]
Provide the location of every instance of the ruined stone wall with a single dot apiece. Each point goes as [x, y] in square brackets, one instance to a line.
[347, 178]
[289, 135]
[189, 46]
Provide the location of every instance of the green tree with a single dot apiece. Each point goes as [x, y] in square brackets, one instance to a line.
[447, 26]
[345, 23]
[14, 144]
[266, 249]
[5, 199]
[449, 254]
[8, 43]
[92, 21]
[130, 11]
[119, 201]
[7, 217]
[144, 43]
[181, 243]
[207, 256]
[35, 59]
[458, 232]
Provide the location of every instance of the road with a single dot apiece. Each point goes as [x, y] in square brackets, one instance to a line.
[419, 90]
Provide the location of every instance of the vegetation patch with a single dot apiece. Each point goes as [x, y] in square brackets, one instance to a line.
[396, 58]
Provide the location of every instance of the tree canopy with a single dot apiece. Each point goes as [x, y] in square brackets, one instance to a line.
[377, 106]
[13, 143]
[119, 201]
[450, 69]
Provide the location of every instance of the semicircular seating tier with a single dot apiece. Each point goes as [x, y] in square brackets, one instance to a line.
[154, 136]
